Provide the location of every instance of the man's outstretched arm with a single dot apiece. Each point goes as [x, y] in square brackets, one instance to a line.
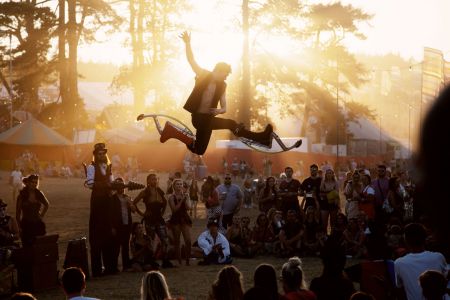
[186, 37]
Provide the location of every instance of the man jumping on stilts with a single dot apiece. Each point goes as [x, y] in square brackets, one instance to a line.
[208, 91]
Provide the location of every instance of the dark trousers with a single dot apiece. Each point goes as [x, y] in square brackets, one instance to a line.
[102, 254]
[227, 220]
[205, 124]
[122, 245]
[101, 243]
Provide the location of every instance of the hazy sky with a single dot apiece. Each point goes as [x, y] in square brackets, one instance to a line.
[405, 26]
[398, 26]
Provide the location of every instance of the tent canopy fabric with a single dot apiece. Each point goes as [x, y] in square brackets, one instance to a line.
[33, 132]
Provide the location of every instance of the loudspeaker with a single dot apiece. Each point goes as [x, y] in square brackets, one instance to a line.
[37, 264]
[76, 255]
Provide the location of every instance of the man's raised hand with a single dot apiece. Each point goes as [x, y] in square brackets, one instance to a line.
[186, 37]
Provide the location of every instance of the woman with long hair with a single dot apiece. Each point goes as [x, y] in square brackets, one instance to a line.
[268, 196]
[30, 210]
[265, 285]
[143, 249]
[154, 286]
[353, 193]
[262, 235]
[180, 221]
[228, 285]
[329, 199]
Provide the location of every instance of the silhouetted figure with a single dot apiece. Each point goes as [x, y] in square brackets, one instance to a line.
[208, 91]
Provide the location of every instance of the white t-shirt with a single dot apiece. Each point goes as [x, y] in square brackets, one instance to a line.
[409, 268]
[16, 177]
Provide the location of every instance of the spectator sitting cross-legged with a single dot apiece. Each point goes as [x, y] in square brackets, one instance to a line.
[214, 245]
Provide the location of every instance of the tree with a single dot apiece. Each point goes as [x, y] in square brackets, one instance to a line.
[153, 25]
[85, 19]
[321, 72]
[30, 26]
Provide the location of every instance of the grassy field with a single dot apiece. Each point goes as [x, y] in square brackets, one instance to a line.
[68, 216]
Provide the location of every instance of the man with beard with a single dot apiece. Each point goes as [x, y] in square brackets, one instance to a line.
[289, 191]
[101, 233]
[311, 188]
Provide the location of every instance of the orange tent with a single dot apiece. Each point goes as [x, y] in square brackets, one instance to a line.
[36, 137]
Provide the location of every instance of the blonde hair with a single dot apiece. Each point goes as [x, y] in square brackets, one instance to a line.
[154, 286]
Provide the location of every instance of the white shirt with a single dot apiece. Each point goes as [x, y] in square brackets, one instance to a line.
[206, 243]
[409, 268]
[91, 174]
[16, 177]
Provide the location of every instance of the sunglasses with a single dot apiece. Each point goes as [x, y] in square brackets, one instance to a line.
[226, 178]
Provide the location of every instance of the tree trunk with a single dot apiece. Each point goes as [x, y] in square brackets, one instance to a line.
[244, 107]
[72, 73]
[139, 98]
[62, 65]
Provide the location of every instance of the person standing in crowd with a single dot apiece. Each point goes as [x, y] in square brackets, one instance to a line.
[228, 285]
[214, 245]
[180, 221]
[409, 267]
[381, 187]
[122, 221]
[15, 180]
[353, 193]
[231, 198]
[329, 199]
[366, 204]
[155, 206]
[193, 195]
[294, 282]
[73, 282]
[101, 233]
[268, 196]
[9, 230]
[248, 193]
[311, 188]
[289, 191]
[210, 197]
[31, 207]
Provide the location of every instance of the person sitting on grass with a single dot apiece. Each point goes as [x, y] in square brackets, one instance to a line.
[214, 245]
[291, 235]
[143, 249]
[294, 282]
[228, 285]
[154, 286]
[73, 283]
[262, 235]
[265, 284]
